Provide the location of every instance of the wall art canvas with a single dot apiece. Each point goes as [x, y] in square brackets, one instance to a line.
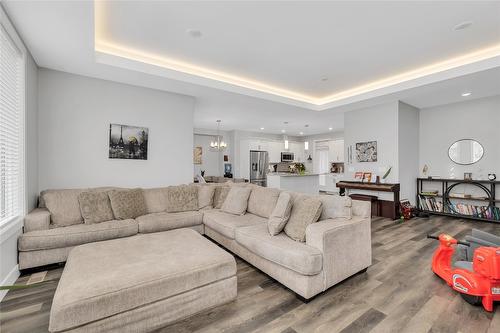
[197, 155]
[366, 151]
[128, 142]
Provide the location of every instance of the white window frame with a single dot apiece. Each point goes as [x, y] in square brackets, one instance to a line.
[8, 226]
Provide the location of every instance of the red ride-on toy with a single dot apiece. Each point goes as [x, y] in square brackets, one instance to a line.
[476, 283]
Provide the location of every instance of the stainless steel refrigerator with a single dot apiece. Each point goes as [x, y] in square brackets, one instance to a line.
[259, 164]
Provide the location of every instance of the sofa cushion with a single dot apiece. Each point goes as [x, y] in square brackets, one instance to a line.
[304, 212]
[220, 195]
[335, 206]
[155, 199]
[95, 207]
[281, 249]
[167, 221]
[262, 201]
[280, 215]
[76, 235]
[226, 224]
[237, 200]
[63, 206]
[127, 204]
[182, 198]
[135, 273]
[205, 196]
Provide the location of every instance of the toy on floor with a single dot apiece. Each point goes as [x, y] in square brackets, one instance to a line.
[476, 281]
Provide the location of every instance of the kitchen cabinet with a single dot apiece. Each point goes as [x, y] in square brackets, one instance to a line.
[275, 149]
[336, 150]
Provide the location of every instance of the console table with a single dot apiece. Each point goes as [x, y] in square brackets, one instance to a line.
[385, 208]
[444, 201]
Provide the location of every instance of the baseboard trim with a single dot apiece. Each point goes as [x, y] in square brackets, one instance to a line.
[10, 279]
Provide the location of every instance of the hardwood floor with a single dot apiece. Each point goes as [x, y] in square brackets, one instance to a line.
[398, 293]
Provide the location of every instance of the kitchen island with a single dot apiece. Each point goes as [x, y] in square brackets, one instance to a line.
[306, 183]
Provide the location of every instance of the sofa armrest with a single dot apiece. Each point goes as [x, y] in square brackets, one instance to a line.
[345, 244]
[37, 219]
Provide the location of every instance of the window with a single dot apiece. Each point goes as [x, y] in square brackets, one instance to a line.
[12, 98]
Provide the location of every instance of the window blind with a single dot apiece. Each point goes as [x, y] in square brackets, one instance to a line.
[11, 129]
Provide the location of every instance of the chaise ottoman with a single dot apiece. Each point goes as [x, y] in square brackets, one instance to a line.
[141, 283]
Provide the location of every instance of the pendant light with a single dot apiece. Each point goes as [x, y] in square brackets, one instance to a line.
[219, 144]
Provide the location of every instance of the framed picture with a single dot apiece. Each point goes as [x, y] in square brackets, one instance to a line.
[367, 176]
[128, 142]
[197, 155]
[366, 151]
[358, 176]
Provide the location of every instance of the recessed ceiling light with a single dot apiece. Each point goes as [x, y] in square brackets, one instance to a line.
[462, 26]
[465, 94]
[194, 33]
[330, 128]
[262, 128]
[283, 131]
[301, 133]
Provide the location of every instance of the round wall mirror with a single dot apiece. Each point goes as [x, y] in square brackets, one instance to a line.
[465, 151]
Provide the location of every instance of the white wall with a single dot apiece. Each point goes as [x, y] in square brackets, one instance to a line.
[408, 148]
[440, 126]
[74, 117]
[379, 123]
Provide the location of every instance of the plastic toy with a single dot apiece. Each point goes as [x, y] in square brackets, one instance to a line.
[477, 282]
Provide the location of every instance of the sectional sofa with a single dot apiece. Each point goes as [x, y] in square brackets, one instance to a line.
[333, 250]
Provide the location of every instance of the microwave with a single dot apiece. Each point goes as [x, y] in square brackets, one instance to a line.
[287, 157]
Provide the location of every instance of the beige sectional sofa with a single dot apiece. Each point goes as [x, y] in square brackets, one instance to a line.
[334, 249]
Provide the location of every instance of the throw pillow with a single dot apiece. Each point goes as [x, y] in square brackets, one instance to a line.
[305, 211]
[262, 201]
[335, 206]
[182, 198]
[63, 206]
[220, 195]
[237, 200]
[155, 199]
[127, 204]
[95, 207]
[280, 214]
[205, 196]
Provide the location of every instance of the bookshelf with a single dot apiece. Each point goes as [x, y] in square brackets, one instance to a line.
[445, 201]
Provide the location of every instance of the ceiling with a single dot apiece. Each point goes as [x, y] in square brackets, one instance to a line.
[313, 52]
[289, 46]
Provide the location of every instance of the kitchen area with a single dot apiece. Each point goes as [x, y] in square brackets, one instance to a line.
[308, 164]
[301, 166]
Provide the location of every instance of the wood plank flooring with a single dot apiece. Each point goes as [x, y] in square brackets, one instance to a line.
[398, 293]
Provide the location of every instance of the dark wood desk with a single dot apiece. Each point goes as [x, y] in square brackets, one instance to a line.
[385, 208]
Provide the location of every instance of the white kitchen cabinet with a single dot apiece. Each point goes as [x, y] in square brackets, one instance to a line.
[275, 148]
[258, 145]
[336, 151]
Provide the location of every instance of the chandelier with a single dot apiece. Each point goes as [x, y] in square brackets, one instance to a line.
[219, 144]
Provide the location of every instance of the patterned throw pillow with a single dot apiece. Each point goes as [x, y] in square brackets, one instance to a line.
[220, 195]
[237, 200]
[182, 198]
[127, 204]
[305, 211]
[335, 206]
[95, 207]
[280, 214]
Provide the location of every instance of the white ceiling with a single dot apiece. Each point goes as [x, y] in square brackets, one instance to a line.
[60, 35]
[294, 44]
